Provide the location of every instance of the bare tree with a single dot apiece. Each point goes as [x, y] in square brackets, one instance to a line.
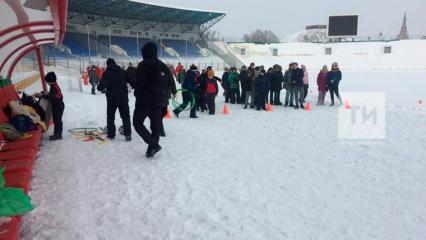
[261, 36]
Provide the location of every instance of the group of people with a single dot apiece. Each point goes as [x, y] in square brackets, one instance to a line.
[154, 84]
[255, 86]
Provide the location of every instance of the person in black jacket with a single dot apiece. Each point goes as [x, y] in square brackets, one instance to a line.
[57, 101]
[189, 85]
[114, 82]
[201, 90]
[171, 90]
[131, 72]
[261, 86]
[297, 80]
[151, 86]
[225, 85]
[332, 83]
[276, 80]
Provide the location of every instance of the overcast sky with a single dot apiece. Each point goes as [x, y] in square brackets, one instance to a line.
[287, 17]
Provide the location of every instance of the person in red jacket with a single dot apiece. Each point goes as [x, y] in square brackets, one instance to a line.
[212, 89]
[178, 68]
[321, 82]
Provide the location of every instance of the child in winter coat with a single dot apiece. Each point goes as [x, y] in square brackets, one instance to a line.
[321, 82]
[56, 99]
[212, 89]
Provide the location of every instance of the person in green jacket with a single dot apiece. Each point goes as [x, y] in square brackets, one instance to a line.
[234, 86]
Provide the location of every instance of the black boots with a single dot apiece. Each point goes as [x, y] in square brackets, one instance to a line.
[152, 150]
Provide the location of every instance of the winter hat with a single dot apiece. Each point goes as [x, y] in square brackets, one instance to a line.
[110, 62]
[149, 51]
[210, 74]
[50, 77]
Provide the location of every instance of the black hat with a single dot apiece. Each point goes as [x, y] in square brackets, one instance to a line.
[110, 62]
[50, 77]
[149, 51]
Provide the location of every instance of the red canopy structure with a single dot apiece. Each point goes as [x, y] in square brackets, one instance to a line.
[27, 25]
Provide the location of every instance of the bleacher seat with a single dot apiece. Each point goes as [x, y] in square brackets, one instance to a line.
[180, 46]
[17, 158]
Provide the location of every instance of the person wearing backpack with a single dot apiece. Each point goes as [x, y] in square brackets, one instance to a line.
[212, 89]
[151, 86]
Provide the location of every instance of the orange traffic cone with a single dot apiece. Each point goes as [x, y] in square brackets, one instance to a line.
[420, 101]
[225, 109]
[168, 116]
[347, 105]
[308, 107]
[268, 107]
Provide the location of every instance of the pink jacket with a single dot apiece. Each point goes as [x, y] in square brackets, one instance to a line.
[321, 81]
[305, 78]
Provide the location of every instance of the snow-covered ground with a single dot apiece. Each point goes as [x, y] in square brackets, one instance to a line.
[247, 175]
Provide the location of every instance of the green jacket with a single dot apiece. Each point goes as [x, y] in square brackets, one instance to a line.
[233, 81]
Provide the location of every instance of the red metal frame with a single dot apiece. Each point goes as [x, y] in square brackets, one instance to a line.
[21, 35]
[21, 55]
[41, 68]
[30, 24]
[21, 47]
[59, 9]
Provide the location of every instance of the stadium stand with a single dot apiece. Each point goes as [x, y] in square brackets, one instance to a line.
[130, 24]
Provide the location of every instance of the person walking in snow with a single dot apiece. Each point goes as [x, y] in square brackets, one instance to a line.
[171, 90]
[305, 82]
[93, 78]
[114, 82]
[333, 79]
[212, 89]
[321, 82]
[151, 87]
[288, 86]
[298, 85]
[189, 85]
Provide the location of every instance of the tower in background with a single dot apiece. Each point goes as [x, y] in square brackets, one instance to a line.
[403, 34]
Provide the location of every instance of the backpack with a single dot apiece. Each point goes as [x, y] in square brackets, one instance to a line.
[30, 101]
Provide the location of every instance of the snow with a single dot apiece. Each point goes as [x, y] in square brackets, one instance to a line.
[247, 175]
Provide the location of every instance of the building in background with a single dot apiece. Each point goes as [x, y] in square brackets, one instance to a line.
[403, 34]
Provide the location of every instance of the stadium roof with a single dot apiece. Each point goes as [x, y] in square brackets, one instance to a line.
[131, 14]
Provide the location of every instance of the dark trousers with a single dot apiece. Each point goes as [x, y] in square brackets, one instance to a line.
[93, 88]
[201, 101]
[235, 95]
[227, 95]
[274, 97]
[243, 95]
[155, 115]
[211, 102]
[305, 91]
[186, 97]
[57, 112]
[334, 89]
[123, 108]
[298, 95]
[260, 101]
